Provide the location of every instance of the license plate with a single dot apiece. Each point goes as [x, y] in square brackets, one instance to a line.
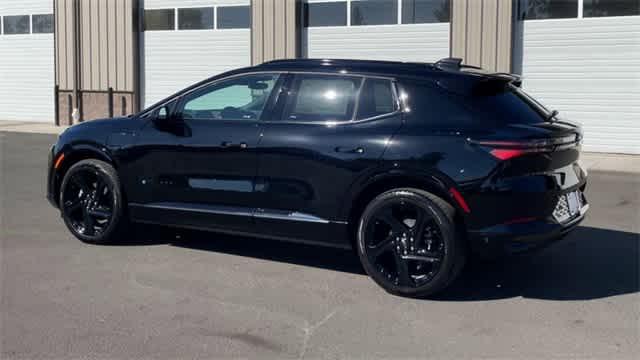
[573, 198]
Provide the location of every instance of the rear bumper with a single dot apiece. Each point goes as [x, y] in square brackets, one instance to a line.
[501, 240]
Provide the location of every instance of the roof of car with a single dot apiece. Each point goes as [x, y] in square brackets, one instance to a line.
[351, 65]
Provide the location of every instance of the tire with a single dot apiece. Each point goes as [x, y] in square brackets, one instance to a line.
[430, 245]
[92, 203]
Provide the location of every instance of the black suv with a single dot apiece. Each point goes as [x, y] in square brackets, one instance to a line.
[414, 165]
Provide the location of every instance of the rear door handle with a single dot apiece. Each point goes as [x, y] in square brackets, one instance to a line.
[229, 144]
[349, 150]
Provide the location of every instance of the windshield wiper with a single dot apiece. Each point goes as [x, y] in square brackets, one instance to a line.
[551, 115]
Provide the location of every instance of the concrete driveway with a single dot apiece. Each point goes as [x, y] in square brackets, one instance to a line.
[202, 295]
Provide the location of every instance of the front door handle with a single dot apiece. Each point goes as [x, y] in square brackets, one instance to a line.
[229, 144]
[350, 150]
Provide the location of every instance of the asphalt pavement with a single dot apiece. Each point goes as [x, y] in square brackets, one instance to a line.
[169, 294]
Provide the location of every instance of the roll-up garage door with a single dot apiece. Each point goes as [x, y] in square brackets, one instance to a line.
[189, 40]
[398, 30]
[26, 61]
[585, 62]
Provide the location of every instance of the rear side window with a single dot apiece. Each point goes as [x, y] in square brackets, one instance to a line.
[376, 98]
[444, 109]
[322, 98]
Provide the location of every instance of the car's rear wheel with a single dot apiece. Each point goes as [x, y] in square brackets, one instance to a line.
[91, 202]
[409, 244]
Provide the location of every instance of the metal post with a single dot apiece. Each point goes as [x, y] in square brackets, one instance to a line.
[56, 104]
[110, 94]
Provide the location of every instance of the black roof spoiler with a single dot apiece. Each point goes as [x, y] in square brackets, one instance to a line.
[455, 64]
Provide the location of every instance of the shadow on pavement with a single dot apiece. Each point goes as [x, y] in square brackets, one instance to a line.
[590, 263]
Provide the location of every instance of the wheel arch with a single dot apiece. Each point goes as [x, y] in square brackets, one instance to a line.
[72, 156]
[435, 184]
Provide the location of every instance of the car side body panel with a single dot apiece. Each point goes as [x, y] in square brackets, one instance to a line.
[302, 181]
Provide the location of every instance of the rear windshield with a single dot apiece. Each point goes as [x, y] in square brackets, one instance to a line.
[455, 106]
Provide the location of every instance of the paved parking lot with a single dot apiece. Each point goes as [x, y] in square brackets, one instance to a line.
[204, 295]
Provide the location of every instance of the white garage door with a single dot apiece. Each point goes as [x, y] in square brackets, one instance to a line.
[588, 68]
[186, 41]
[26, 61]
[399, 30]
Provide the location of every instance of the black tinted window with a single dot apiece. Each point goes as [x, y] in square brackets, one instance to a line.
[42, 24]
[159, 19]
[548, 9]
[374, 12]
[595, 8]
[195, 18]
[443, 109]
[241, 98]
[322, 98]
[425, 11]
[376, 98]
[16, 24]
[325, 14]
[234, 17]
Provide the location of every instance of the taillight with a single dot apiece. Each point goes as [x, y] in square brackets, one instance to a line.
[505, 150]
[506, 154]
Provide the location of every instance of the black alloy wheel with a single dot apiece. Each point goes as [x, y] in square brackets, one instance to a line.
[408, 243]
[91, 201]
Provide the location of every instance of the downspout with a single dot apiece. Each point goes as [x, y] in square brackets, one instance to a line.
[75, 115]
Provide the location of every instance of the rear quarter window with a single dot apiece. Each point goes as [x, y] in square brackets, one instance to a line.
[441, 108]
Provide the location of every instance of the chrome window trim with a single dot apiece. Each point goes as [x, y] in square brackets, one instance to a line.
[393, 81]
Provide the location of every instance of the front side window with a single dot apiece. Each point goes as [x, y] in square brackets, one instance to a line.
[159, 19]
[234, 17]
[376, 98]
[322, 98]
[195, 18]
[374, 12]
[596, 8]
[425, 11]
[548, 9]
[43, 24]
[16, 24]
[325, 14]
[241, 98]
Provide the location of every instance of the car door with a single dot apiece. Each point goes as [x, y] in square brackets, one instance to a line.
[319, 142]
[207, 178]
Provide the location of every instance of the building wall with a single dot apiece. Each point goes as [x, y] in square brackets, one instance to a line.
[168, 68]
[22, 7]
[481, 33]
[26, 67]
[411, 42]
[106, 44]
[175, 59]
[274, 30]
[105, 36]
[589, 70]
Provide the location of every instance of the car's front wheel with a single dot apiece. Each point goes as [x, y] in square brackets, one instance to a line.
[91, 202]
[408, 242]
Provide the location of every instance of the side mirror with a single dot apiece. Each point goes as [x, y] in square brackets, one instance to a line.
[163, 117]
[163, 114]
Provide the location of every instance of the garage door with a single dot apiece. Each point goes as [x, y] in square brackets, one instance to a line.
[585, 62]
[189, 40]
[400, 30]
[26, 61]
